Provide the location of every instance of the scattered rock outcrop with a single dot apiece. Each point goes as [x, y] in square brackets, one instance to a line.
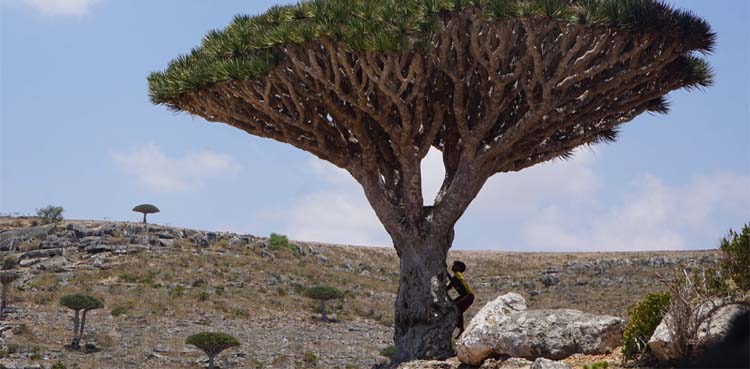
[505, 327]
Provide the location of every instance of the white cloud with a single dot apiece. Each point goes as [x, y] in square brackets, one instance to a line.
[64, 8]
[554, 206]
[339, 215]
[156, 171]
[651, 216]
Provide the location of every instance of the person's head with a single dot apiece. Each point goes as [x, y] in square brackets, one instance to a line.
[458, 266]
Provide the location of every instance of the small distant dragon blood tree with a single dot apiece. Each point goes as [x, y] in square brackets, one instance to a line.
[6, 278]
[212, 344]
[494, 85]
[146, 209]
[323, 294]
[78, 303]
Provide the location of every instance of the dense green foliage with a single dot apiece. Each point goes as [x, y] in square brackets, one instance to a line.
[50, 214]
[212, 343]
[389, 351]
[247, 47]
[732, 277]
[281, 242]
[643, 317]
[146, 209]
[735, 262]
[597, 365]
[81, 302]
[323, 293]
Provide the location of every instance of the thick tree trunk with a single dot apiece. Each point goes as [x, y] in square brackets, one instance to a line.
[211, 361]
[323, 315]
[144, 218]
[425, 314]
[74, 342]
[83, 323]
[4, 300]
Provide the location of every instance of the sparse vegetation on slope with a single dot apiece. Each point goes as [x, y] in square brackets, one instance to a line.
[158, 296]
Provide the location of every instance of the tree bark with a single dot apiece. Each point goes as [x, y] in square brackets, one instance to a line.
[83, 323]
[74, 342]
[323, 310]
[4, 300]
[144, 218]
[211, 361]
[425, 314]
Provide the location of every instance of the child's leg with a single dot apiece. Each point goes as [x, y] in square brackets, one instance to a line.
[460, 324]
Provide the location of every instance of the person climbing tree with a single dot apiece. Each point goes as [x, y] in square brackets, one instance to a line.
[465, 294]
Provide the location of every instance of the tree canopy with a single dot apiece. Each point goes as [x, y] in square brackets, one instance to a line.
[212, 343]
[245, 49]
[81, 302]
[323, 293]
[8, 277]
[146, 209]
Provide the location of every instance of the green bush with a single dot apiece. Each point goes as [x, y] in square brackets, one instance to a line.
[200, 282]
[597, 365]
[389, 351]
[58, 365]
[735, 262]
[119, 310]
[278, 242]
[50, 214]
[310, 358]
[643, 317]
[9, 262]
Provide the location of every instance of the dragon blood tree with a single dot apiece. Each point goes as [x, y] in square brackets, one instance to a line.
[495, 85]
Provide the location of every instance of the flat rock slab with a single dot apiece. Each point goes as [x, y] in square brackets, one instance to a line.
[45, 253]
[504, 327]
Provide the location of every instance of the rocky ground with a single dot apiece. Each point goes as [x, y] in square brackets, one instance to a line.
[162, 284]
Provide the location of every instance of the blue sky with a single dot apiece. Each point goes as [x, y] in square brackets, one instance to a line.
[77, 130]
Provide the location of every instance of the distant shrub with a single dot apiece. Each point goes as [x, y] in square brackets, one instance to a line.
[199, 282]
[50, 214]
[735, 262]
[389, 351]
[212, 343]
[323, 294]
[644, 316]
[9, 262]
[58, 365]
[119, 310]
[278, 242]
[177, 291]
[310, 358]
[597, 365]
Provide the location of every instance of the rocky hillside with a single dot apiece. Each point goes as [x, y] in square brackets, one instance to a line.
[161, 284]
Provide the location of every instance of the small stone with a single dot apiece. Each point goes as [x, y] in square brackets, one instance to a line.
[542, 363]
